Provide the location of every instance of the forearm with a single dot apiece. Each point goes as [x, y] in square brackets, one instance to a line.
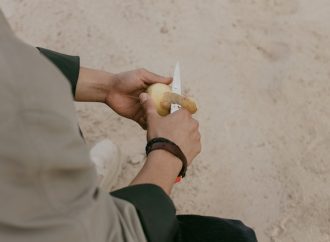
[93, 85]
[86, 84]
[161, 168]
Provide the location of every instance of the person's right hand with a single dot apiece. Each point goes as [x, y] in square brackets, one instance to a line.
[179, 127]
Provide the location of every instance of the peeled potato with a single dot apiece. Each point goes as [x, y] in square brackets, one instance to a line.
[163, 98]
[156, 92]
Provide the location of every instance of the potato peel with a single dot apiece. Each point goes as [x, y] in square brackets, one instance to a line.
[163, 98]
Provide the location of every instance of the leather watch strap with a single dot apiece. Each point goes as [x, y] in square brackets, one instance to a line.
[165, 144]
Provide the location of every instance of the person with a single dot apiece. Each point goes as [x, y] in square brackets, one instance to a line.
[47, 182]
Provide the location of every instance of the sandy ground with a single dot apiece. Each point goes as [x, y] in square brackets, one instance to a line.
[260, 72]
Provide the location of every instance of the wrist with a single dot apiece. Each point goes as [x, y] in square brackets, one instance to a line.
[165, 161]
[93, 85]
[161, 168]
[167, 145]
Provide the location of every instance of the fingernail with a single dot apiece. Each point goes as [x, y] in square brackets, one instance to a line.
[143, 97]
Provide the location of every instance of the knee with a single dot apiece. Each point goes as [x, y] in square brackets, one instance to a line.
[243, 232]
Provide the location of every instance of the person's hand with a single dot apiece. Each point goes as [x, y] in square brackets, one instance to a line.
[161, 167]
[119, 91]
[179, 127]
[123, 94]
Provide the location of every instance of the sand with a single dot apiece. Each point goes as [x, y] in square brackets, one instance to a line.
[259, 70]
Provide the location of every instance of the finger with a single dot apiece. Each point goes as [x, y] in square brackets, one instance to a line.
[184, 113]
[195, 124]
[151, 78]
[143, 123]
[140, 118]
[148, 106]
[197, 136]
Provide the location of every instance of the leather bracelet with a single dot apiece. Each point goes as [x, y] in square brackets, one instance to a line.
[165, 144]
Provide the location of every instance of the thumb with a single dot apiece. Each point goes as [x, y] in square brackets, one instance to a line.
[148, 105]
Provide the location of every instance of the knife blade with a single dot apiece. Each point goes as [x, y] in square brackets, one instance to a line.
[176, 86]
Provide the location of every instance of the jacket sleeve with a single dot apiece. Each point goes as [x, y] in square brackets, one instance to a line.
[155, 210]
[67, 64]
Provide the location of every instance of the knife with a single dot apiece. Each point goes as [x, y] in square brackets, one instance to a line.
[176, 86]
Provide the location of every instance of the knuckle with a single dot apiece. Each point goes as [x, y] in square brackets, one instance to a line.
[183, 111]
[193, 125]
[150, 112]
[141, 71]
[199, 136]
[196, 123]
[199, 147]
[187, 113]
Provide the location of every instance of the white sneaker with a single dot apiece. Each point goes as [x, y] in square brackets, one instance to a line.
[107, 159]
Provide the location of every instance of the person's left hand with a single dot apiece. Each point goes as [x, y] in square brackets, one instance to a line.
[123, 96]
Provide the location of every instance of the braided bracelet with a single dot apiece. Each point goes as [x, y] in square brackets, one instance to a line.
[165, 144]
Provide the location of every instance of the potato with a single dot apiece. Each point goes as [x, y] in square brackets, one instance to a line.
[156, 92]
[163, 98]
